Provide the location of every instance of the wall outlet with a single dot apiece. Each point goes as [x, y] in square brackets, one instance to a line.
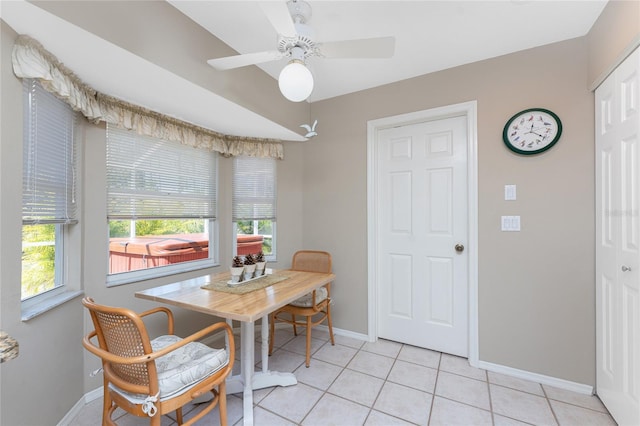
[509, 192]
[510, 223]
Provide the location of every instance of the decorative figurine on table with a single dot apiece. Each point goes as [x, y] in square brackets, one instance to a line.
[260, 264]
[249, 267]
[237, 269]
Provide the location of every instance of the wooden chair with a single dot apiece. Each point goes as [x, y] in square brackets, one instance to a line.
[315, 304]
[150, 378]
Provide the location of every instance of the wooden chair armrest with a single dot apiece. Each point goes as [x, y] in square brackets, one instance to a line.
[317, 307]
[161, 309]
[109, 357]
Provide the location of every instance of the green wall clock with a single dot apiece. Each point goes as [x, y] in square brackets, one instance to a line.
[532, 131]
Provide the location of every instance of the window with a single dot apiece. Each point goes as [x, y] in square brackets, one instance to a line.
[254, 206]
[48, 190]
[161, 206]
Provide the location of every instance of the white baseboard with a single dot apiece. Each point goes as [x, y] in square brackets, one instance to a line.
[215, 341]
[341, 332]
[538, 378]
[75, 410]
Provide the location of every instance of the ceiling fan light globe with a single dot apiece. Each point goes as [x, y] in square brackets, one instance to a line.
[295, 81]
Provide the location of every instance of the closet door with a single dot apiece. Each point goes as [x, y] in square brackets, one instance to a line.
[618, 242]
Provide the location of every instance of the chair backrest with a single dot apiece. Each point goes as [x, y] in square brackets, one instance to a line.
[311, 261]
[122, 332]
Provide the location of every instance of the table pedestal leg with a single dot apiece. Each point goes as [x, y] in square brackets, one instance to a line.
[247, 367]
[249, 380]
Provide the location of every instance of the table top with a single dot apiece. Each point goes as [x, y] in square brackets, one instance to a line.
[247, 307]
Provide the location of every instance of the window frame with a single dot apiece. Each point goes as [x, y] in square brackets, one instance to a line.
[60, 271]
[212, 226]
[268, 257]
[67, 237]
[272, 257]
[128, 277]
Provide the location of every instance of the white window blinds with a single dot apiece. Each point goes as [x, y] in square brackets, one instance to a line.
[254, 188]
[149, 178]
[49, 158]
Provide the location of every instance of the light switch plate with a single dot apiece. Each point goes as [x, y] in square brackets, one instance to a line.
[509, 192]
[510, 223]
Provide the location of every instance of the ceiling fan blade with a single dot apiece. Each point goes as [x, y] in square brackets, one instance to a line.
[238, 61]
[380, 47]
[278, 14]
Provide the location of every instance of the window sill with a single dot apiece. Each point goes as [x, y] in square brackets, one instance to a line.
[159, 272]
[48, 304]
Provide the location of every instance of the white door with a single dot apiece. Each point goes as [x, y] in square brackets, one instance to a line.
[421, 233]
[618, 242]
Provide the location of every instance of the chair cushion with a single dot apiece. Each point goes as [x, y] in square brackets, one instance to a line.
[183, 368]
[306, 301]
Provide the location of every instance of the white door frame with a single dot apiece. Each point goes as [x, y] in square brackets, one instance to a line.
[468, 110]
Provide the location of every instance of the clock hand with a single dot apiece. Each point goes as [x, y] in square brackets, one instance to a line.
[531, 131]
[541, 127]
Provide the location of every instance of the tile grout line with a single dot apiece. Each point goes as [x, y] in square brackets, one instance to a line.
[384, 352]
[385, 380]
[553, 413]
[435, 385]
[324, 392]
[493, 417]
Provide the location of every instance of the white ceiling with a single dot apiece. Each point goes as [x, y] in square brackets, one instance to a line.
[430, 35]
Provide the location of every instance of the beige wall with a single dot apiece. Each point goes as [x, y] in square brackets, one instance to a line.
[536, 286]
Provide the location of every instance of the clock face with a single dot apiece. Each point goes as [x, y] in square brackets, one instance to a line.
[532, 131]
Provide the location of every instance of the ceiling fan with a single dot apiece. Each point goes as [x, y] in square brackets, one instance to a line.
[297, 43]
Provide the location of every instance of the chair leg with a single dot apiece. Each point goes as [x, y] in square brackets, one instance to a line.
[156, 420]
[106, 405]
[222, 403]
[179, 415]
[308, 341]
[293, 321]
[272, 331]
[333, 342]
[109, 420]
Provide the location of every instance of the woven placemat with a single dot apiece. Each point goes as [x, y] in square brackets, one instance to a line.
[253, 285]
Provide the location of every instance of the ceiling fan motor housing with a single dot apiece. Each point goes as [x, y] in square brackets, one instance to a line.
[297, 42]
[304, 41]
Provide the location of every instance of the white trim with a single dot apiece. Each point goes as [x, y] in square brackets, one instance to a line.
[537, 378]
[216, 341]
[469, 110]
[631, 47]
[341, 332]
[496, 368]
[77, 408]
[47, 302]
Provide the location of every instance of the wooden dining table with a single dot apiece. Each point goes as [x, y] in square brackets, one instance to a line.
[246, 308]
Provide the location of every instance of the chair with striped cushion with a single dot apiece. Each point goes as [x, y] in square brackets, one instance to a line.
[150, 378]
[314, 307]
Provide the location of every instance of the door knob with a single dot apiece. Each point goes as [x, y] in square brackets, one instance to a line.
[459, 248]
[625, 268]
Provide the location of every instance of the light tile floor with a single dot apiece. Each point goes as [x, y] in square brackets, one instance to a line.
[388, 383]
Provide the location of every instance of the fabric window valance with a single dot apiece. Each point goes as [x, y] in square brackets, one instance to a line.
[31, 60]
